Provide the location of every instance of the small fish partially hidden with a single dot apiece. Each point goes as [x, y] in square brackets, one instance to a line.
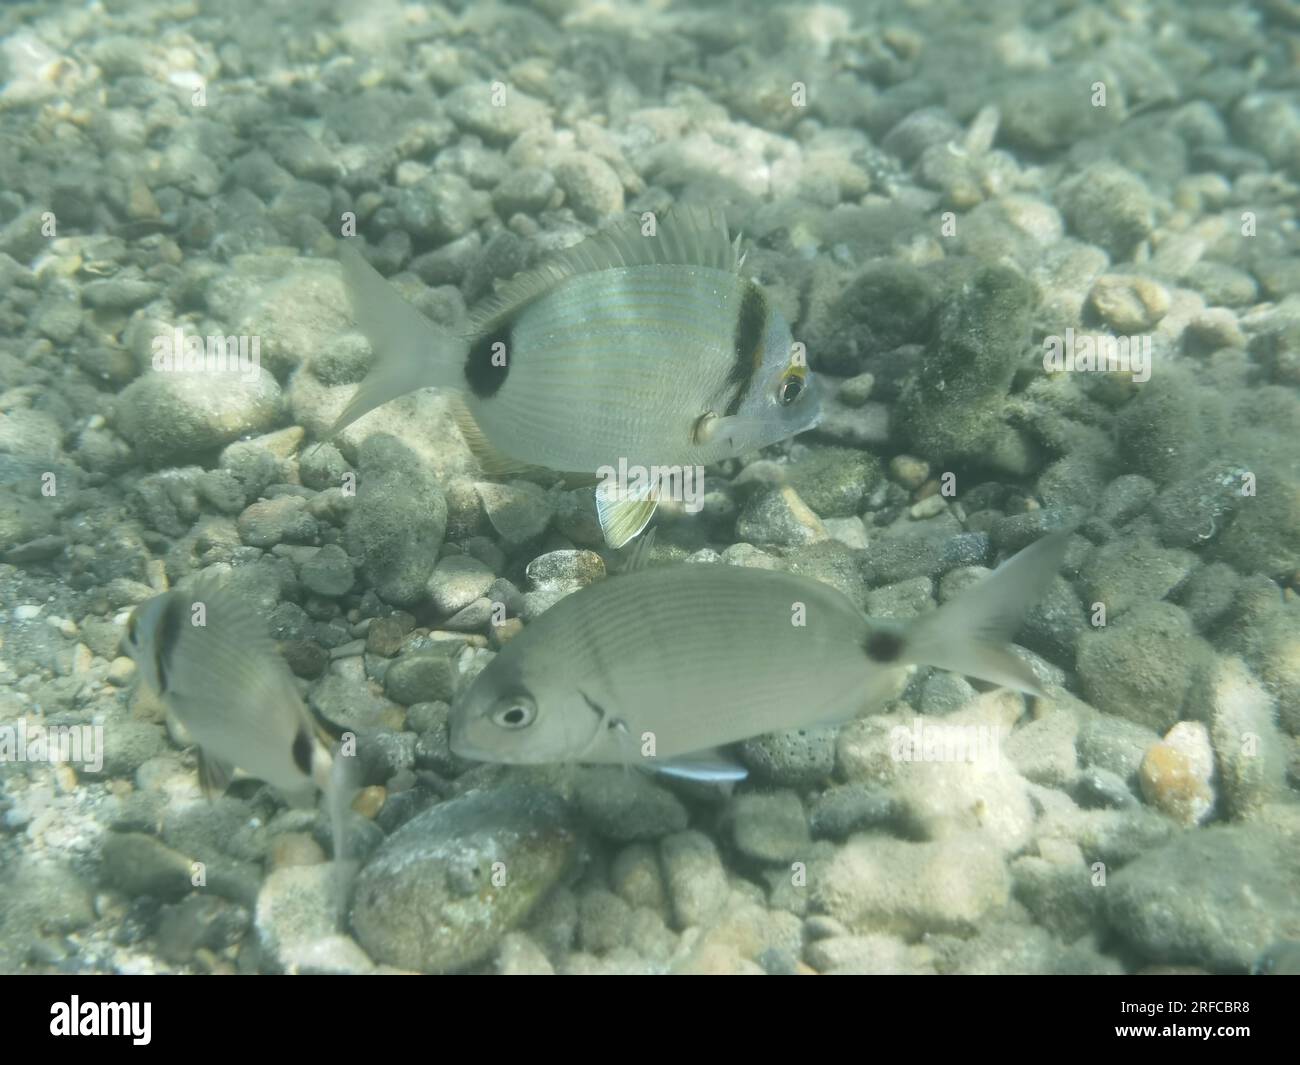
[207, 655]
[678, 661]
[649, 349]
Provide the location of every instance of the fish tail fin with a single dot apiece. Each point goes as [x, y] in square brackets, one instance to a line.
[411, 352]
[970, 635]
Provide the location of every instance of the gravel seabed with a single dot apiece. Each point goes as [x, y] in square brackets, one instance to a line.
[939, 196]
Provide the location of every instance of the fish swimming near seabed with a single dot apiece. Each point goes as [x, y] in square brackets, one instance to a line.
[644, 345]
[206, 654]
[661, 667]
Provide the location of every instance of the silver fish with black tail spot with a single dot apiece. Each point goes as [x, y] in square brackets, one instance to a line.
[661, 667]
[206, 654]
[644, 345]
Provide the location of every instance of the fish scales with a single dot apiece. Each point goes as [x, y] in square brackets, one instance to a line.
[618, 364]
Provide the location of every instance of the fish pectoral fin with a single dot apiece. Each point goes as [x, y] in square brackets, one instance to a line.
[623, 513]
[214, 775]
[495, 463]
[709, 766]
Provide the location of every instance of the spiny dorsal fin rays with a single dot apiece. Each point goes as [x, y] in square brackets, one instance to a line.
[684, 236]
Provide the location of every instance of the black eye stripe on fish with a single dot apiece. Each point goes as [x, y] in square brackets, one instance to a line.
[484, 376]
[169, 632]
[750, 325]
[302, 752]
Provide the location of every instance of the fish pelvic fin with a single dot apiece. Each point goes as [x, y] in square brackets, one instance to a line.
[410, 351]
[971, 634]
[624, 512]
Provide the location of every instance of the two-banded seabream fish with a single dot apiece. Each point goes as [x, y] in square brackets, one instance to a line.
[681, 660]
[644, 344]
[206, 654]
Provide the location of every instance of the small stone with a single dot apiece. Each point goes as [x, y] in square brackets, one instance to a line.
[441, 892]
[565, 569]
[590, 185]
[770, 827]
[519, 511]
[1215, 897]
[625, 806]
[792, 757]
[909, 471]
[457, 581]
[497, 117]
[423, 676]
[929, 507]
[1175, 774]
[874, 884]
[697, 882]
[779, 516]
[1129, 304]
[328, 573]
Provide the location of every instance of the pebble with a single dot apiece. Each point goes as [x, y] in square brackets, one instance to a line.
[696, 880]
[1176, 774]
[518, 511]
[441, 892]
[590, 185]
[791, 757]
[457, 581]
[1129, 305]
[874, 884]
[423, 676]
[168, 417]
[1216, 897]
[770, 827]
[398, 522]
[626, 805]
[779, 516]
[329, 572]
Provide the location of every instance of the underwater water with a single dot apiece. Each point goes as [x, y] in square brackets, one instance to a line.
[440, 685]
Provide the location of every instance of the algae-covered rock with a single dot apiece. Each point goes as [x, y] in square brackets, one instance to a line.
[952, 409]
[440, 893]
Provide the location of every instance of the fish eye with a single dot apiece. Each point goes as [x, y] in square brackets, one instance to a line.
[515, 713]
[792, 386]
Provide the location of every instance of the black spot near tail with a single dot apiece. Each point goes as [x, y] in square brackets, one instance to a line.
[302, 752]
[751, 323]
[883, 646]
[484, 375]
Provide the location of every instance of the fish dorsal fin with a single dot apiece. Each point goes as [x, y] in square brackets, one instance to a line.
[495, 463]
[624, 512]
[684, 236]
